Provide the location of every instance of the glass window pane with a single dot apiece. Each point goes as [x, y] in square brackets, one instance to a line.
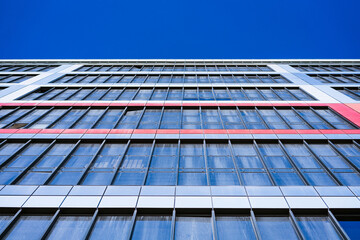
[111, 227]
[317, 227]
[70, 227]
[234, 227]
[29, 227]
[152, 227]
[193, 228]
[276, 228]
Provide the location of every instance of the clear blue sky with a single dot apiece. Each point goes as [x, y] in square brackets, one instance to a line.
[179, 29]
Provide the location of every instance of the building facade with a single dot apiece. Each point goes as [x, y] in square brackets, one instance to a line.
[180, 149]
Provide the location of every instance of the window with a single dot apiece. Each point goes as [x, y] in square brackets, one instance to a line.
[76, 164]
[353, 92]
[19, 163]
[163, 164]
[27, 68]
[234, 227]
[317, 227]
[172, 93]
[193, 227]
[111, 227]
[103, 168]
[29, 227]
[350, 224]
[149, 227]
[181, 67]
[14, 78]
[335, 78]
[192, 169]
[327, 68]
[276, 227]
[70, 227]
[134, 165]
[40, 172]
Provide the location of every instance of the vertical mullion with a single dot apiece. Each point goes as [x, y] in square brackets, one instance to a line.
[141, 116]
[56, 95]
[292, 163]
[261, 94]
[337, 226]
[213, 225]
[296, 225]
[318, 115]
[10, 113]
[109, 88]
[282, 118]
[120, 117]
[132, 225]
[51, 224]
[343, 156]
[299, 115]
[10, 224]
[79, 118]
[39, 117]
[92, 90]
[25, 170]
[99, 117]
[240, 117]
[219, 114]
[26, 144]
[271, 88]
[287, 90]
[254, 224]
[18, 118]
[173, 219]
[178, 163]
[264, 164]
[122, 91]
[90, 228]
[62, 163]
[120, 162]
[59, 118]
[48, 91]
[262, 119]
[206, 162]
[337, 181]
[161, 116]
[71, 95]
[149, 162]
[91, 163]
[235, 165]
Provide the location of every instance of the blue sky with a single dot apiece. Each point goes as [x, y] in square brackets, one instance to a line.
[179, 29]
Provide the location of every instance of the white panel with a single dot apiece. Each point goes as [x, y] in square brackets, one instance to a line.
[81, 202]
[231, 202]
[118, 202]
[12, 201]
[156, 202]
[305, 202]
[268, 202]
[193, 202]
[44, 201]
[342, 202]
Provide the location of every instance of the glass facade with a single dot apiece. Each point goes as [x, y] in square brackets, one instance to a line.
[172, 149]
[336, 78]
[174, 225]
[173, 118]
[27, 68]
[181, 162]
[174, 68]
[11, 78]
[189, 79]
[173, 94]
